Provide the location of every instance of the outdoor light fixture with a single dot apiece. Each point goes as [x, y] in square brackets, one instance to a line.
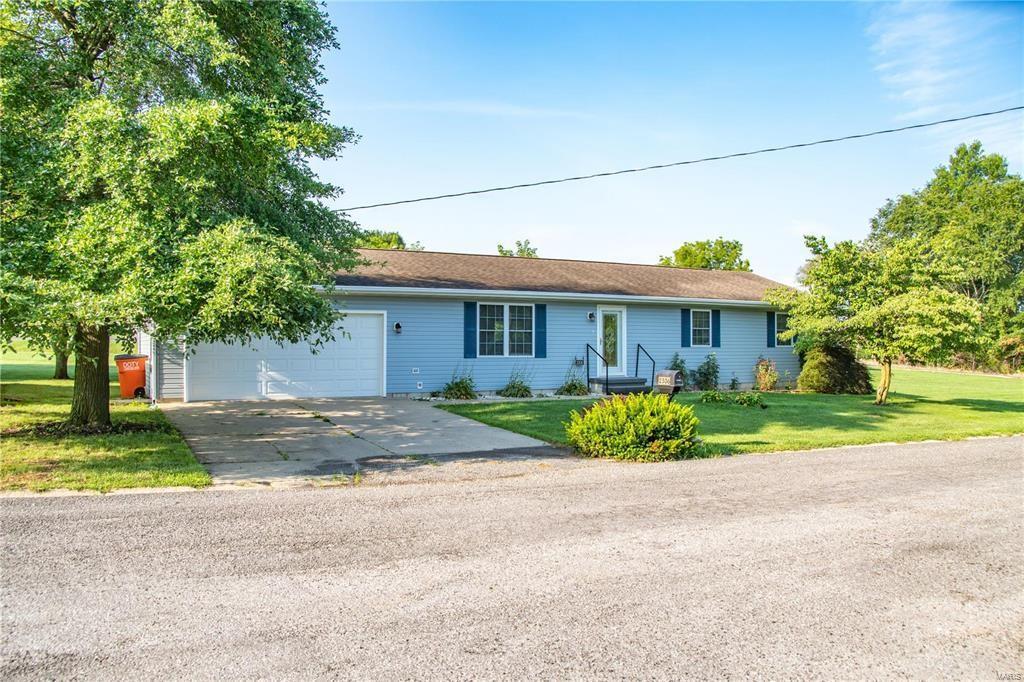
[398, 327]
[591, 316]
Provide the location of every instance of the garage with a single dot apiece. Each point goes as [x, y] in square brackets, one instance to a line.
[352, 365]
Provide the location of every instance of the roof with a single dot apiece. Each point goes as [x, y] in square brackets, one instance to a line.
[440, 270]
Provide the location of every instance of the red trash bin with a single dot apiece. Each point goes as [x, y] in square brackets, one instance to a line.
[131, 375]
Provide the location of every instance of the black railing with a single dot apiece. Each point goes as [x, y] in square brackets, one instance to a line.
[654, 366]
[594, 350]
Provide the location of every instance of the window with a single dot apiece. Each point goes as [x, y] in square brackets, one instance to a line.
[505, 329]
[700, 327]
[781, 325]
[520, 330]
[492, 329]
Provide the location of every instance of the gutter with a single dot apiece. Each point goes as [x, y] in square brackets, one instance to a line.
[427, 292]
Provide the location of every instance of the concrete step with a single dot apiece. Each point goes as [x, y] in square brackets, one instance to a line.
[619, 385]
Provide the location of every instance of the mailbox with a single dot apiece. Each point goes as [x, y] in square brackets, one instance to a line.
[669, 382]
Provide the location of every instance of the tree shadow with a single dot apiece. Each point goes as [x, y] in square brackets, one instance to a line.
[979, 404]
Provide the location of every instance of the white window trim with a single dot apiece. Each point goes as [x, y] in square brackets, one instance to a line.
[506, 325]
[778, 341]
[709, 327]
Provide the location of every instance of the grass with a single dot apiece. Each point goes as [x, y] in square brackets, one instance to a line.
[923, 405]
[28, 396]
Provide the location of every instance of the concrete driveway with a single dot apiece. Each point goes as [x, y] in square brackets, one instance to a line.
[298, 442]
[882, 562]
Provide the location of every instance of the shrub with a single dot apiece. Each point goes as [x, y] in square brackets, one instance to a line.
[678, 364]
[705, 377]
[766, 376]
[734, 383]
[643, 427]
[461, 387]
[516, 387]
[573, 384]
[833, 369]
[1011, 353]
[713, 396]
[749, 399]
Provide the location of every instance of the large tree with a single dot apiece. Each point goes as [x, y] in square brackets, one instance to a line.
[156, 173]
[522, 249]
[717, 254]
[969, 220]
[385, 239]
[887, 303]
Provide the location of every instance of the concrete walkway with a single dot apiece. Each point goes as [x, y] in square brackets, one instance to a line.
[298, 442]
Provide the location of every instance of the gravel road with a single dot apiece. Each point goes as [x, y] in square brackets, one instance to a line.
[902, 560]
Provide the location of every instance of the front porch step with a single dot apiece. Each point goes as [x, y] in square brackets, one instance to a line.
[619, 385]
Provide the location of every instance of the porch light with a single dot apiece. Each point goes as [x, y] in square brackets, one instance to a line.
[398, 327]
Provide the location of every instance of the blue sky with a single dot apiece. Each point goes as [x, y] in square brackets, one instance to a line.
[457, 96]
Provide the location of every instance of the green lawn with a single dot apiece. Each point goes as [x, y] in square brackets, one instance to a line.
[923, 405]
[98, 462]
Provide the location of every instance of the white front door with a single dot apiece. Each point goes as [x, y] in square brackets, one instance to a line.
[611, 338]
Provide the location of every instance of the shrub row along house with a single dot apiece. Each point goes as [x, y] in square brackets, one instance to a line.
[413, 319]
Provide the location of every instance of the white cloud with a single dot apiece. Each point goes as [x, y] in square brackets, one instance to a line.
[937, 58]
[925, 51]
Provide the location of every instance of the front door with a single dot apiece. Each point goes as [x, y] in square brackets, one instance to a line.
[611, 338]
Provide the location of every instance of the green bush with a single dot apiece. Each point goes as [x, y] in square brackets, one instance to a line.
[749, 399]
[573, 384]
[461, 387]
[833, 369]
[678, 364]
[766, 376]
[713, 396]
[705, 377]
[643, 427]
[516, 387]
[734, 383]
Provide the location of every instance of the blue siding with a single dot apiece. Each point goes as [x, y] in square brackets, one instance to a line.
[433, 334]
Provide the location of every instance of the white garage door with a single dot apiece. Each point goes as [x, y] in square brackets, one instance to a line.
[348, 366]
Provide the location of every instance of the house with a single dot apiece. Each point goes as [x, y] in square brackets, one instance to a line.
[413, 319]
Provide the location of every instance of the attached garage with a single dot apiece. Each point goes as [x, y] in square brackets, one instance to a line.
[352, 365]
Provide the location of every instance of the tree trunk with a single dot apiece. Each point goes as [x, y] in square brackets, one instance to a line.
[883, 384]
[60, 365]
[90, 402]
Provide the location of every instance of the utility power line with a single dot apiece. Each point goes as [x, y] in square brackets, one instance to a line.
[689, 162]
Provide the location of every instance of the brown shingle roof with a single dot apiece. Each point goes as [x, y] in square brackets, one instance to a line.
[433, 269]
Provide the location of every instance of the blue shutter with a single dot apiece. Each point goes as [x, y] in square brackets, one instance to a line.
[771, 329]
[686, 327]
[716, 328]
[469, 329]
[540, 330]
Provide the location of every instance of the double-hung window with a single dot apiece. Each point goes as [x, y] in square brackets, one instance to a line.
[700, 328]
[505, 329]
[782, 325]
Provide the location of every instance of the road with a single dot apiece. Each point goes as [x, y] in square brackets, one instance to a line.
[862, 562]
